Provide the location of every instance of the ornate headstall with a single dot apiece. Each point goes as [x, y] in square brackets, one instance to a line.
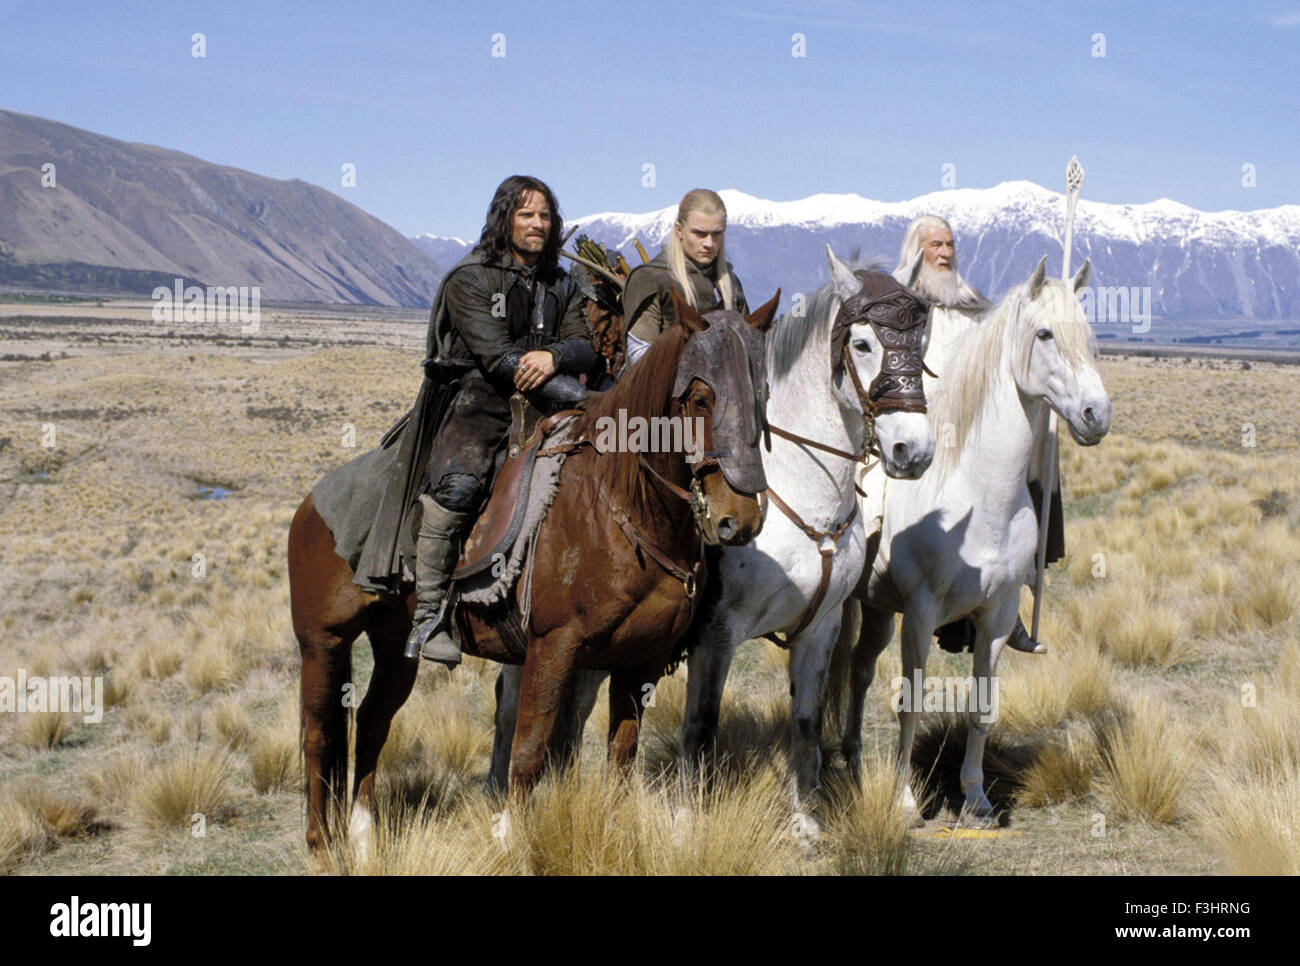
[898, 318]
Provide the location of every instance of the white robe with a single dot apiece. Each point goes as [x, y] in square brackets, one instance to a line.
[948, 326]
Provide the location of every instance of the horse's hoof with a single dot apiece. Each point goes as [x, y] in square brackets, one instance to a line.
[911, 811]
[318, 863]
[978, 818]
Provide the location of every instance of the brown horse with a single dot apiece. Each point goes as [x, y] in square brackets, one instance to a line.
[629, 526]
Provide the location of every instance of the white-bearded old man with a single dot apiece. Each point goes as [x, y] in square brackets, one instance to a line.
[927, 263]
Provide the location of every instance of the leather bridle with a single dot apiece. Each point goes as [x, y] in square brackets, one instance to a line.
[896, 388]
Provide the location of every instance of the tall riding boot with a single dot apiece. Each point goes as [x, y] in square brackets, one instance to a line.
[435, 559]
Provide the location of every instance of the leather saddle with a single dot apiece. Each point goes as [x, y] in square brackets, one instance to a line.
[498, 525]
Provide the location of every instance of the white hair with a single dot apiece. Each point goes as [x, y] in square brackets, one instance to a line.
[948, 289]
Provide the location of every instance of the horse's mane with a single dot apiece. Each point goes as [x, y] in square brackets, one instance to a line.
[787, 341]
[643, 391]
[963, 393]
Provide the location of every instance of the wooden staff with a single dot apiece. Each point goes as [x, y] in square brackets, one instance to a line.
[1073, 182]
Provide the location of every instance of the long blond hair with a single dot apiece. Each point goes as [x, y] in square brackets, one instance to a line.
[710, 203]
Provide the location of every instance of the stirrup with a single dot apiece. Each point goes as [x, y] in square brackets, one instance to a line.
[432, 642]
[430, 639]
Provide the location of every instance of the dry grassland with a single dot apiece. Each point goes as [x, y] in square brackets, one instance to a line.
[1161, 734]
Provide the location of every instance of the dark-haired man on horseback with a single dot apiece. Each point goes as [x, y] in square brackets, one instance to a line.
[506, 319]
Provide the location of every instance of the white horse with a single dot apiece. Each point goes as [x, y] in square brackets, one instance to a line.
[776, 583]
[771, 584]
[962, 540]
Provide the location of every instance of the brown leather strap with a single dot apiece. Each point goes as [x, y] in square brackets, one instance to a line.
[641, 543]
[814, 535]
[565, 448]
[827, 553]
[677, 490]
[796, 438]
[635, 537]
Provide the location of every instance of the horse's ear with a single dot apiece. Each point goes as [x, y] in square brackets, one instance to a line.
[765, 315]
[846, 283]
[1038, 278]
[914, 275]
[690, 320]
[1085, 272]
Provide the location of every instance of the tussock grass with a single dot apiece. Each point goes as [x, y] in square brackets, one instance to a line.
[119, 776]
[437, 726]
[577, 826]
[1266, 595]
[273, 754]
[1145, 761]
[273, 762]
[586, 825]
[1254, 822]
[415, 840]
[1030, 695]
[231, 722]
[157, 660]
[1062, 772]
[1251, 813]
[117, 689]
[457, 741]
[193, 782]
[1288, 669]
[211, 667]
[42, 730]
[1129, 624]
[64, 814]
[22, 833]
[868, 832]
[1088, 680]
[1154, 636]
[148, 724]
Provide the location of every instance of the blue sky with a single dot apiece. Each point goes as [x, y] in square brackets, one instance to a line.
[710, 94]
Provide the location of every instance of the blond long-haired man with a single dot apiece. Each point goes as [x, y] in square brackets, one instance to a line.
[694, 262]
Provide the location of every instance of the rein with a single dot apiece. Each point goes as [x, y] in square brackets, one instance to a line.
[891, 399]
[827, 542]
[694, 498]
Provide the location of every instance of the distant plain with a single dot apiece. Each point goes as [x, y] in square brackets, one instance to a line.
[1158, 735]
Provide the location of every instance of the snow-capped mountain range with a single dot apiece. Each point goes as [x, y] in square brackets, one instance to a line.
[1212, 264]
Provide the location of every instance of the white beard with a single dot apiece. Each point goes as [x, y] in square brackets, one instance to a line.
[947, 289]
